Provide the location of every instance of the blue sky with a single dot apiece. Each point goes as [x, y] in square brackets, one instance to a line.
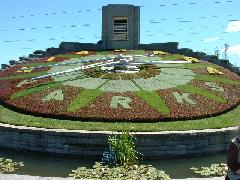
[202, 25]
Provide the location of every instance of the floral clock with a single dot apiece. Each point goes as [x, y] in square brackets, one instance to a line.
[119, 88]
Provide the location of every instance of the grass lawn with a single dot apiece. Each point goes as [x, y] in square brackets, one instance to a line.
[38, 64]
[229, 119]
[69, 55]
[138, 52]
[22, 76]
[103, 53]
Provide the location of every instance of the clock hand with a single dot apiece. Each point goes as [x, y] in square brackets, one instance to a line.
[114, 61]
[66, 63]
[160, 62]
[109, 62]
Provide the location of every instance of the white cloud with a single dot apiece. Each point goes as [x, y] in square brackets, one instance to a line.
[211, 39]
[233, 26]
[233, 54]
[234, 49]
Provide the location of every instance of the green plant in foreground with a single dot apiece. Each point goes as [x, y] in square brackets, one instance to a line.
[9, 166]
[213, 170]
[124, 147]
[133, 172]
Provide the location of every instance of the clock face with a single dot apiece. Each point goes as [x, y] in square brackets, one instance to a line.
[150, 78]
[117, 87]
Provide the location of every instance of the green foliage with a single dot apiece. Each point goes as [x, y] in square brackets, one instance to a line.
[120, 67]
[172, 57]
[23, 76]
[39, 52]
[83, 99]
[69, 56]
[216, 78]
[154, 100]
[199, 65]
[138, 52]
[105, 53]
[94, 72]
[202, 92]
[38, 64]
[146, 71]
[124, 146]
[9, 166]
[34, 89]
[212, 171]
[133, 172]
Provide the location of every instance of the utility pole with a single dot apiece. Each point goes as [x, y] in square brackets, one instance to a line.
[225, 50]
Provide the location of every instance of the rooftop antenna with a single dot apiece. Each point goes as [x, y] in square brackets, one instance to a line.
[225, 50]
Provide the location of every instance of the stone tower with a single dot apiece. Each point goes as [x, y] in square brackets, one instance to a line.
[120, 26]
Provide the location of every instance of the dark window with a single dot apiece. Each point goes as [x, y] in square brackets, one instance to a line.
[120, 28]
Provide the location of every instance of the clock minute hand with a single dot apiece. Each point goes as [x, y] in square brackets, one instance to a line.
[109, 62]
[65, 63]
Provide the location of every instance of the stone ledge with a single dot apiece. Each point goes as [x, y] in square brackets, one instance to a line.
[193, 132]
[93, 143]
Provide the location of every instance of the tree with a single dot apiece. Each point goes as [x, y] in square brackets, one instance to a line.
[39, 52]
[99, 43]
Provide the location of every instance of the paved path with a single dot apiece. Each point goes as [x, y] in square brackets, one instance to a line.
[26, 177]
[215, 178]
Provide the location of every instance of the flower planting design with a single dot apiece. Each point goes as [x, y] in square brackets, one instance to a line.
[168, 78]
[111, 87]
[55, 95]
[183, 97]
[121, 101]
[214, 86]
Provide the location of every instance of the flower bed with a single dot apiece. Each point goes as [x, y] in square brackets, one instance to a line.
[169, 92]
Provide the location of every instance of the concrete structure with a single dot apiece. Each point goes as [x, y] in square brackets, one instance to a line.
[120, 26]
[168, 144]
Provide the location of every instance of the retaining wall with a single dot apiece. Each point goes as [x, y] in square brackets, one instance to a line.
[93, 143]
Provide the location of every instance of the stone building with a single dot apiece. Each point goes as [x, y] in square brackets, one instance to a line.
[120, 26]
